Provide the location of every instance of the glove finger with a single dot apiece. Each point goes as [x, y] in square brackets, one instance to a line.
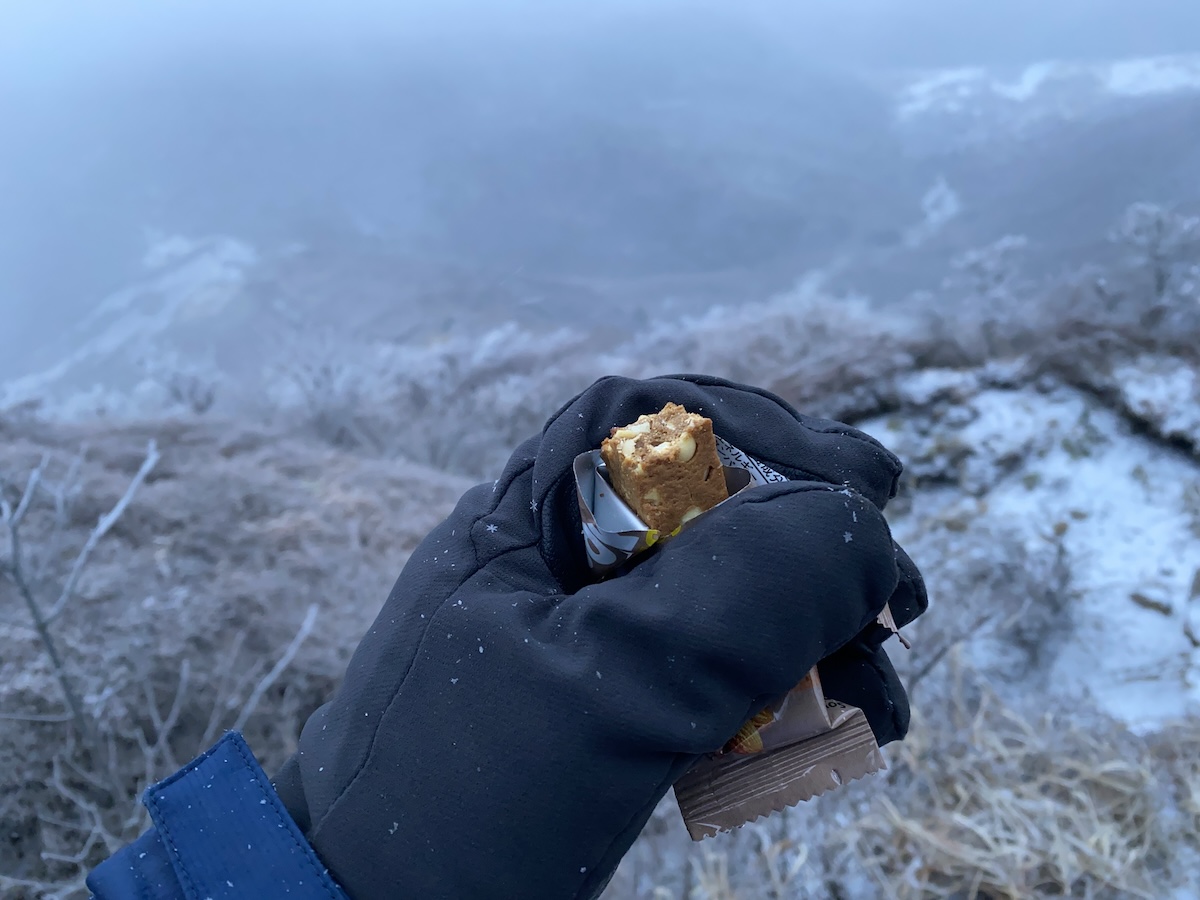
[864, 676]
[909, 600]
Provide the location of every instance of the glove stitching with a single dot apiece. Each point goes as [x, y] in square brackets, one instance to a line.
[246, 760]
[499, 494]
[161, 823]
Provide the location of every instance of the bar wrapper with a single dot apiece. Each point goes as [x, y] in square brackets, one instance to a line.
[798, 747]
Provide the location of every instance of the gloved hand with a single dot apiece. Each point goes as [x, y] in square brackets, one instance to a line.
[507, 726]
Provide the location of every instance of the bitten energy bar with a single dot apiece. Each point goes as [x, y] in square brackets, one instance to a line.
[650, 480]
[665, 467]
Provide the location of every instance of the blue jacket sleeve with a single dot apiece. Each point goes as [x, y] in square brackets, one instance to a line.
[219, 831]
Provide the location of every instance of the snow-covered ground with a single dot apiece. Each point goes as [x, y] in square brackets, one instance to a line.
[1055, 87]
[1051, 470]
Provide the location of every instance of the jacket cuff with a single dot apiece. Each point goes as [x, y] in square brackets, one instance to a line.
[221, 832]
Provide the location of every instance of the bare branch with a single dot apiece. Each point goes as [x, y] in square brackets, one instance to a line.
[13, 518]
[61, 493]
[284, 661]
[228, 666]
[941, 652]
[90, 777]
[35, 717]
[164, 727]
[61, 823]
[102, 528]
[83, 726]
[137, 812]
[96, 831]
[177, 706]
[7, 882]
[77, 859]
[81, 802]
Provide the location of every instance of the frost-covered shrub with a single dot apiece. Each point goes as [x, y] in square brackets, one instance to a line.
[831, 355]
[241, 550]
[461, 405]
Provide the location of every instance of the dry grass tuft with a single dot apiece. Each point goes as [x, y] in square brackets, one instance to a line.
[990, 804]
[981, 802]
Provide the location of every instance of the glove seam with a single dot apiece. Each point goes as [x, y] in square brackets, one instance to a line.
[181, 872]
[307, 856]
[467, 575]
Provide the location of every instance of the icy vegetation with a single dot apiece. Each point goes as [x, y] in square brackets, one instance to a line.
[251, 522]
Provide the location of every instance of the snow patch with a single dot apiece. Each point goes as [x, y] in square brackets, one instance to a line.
[190, 281]
[1155, 75]
[1166, 393]
[1058, 467]
[940, 91]
[1027, 84]
[940, 205]
[1043, 90]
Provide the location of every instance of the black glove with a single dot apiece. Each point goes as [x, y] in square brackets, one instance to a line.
[508, 725]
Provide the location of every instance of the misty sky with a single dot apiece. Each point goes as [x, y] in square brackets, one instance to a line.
[239, 116]
[56, 38]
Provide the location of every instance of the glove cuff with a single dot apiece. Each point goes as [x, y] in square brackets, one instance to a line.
[220, 831]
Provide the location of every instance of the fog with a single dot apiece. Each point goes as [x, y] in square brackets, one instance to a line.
[596, 139]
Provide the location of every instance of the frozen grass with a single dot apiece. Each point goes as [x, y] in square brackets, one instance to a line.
[981, 801]
[987, 802]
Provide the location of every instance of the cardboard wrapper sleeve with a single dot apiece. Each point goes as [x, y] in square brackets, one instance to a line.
[800, 746]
